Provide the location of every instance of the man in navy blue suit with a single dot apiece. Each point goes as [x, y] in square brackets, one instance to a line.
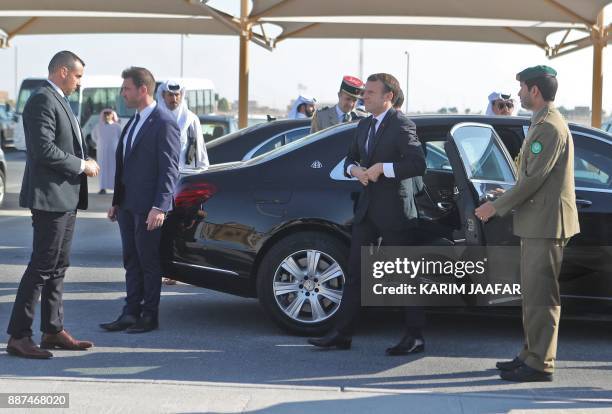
[147, 169]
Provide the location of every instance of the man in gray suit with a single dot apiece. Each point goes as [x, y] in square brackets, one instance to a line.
[54, 187]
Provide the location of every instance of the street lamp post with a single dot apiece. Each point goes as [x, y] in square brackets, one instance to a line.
[407, 79]
[182, 53]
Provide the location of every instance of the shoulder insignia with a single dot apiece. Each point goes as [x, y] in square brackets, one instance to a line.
[536, 147]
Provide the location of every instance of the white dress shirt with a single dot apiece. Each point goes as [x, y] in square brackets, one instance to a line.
[80, 139]
[144, 114]
[387, 166]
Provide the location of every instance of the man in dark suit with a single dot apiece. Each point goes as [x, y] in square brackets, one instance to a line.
[384, 152]
[54, 187]
[147, 169]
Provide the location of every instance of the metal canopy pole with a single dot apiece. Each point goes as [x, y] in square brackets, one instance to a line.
[599, 42]
[243, 76]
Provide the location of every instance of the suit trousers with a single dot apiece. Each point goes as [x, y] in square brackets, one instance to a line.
[540, 267]
[44, 276]
[141, 259]
[364, 234]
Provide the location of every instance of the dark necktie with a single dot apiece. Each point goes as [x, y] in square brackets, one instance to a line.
[75, 120]
[371, 136]
[128, 144]
[346, 117]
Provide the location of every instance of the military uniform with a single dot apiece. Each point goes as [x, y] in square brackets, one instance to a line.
[332, 115]
[328, 116]
[545, 218]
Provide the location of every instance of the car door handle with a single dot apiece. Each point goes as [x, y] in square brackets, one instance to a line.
[583, 203]
[445, 205]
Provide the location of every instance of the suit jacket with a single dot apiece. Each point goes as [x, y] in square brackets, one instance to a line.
[395, 142]
[52, 180]
[544, 197]
[150, 172]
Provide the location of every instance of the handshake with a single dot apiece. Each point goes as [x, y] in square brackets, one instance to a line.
[92, 169]
[366, 175]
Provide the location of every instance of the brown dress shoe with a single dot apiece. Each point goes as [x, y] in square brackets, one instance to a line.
[63, 340]
[26, 348]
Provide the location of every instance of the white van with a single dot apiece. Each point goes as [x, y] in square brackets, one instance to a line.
[100, 92]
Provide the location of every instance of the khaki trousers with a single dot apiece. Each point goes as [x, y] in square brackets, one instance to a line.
[540, 267]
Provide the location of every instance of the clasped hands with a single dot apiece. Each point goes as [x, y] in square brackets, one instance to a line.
[366, 175]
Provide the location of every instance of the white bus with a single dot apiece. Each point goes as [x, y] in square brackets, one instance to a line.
[99, 92]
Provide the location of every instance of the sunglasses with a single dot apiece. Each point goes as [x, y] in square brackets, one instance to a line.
[502, 105]
[107, 113]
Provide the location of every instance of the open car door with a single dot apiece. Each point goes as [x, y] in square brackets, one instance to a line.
[481, 165]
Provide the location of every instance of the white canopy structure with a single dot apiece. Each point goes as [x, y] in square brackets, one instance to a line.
[529, 22]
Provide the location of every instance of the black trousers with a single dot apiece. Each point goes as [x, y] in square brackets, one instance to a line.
[44, 276]
[364, 234]
[142, 263]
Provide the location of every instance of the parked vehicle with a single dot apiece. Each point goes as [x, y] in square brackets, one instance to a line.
[215, 126]
[2, 177]
[100, 92]
[256, 140]
[258, 228]
[7, 127]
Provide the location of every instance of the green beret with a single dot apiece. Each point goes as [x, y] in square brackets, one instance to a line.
[536, 72]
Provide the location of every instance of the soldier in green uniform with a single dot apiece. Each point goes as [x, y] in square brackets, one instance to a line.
[350, 91]
[545, 217]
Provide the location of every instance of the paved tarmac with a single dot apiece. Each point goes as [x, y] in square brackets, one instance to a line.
[219, 353]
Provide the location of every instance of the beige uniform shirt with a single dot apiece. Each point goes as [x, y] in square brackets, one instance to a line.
[544, 197]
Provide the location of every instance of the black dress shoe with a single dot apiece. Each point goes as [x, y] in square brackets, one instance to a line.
[408, 345]
[509, 365]
[525, 373]
[334, 339]
[144, 324]
[123, 322]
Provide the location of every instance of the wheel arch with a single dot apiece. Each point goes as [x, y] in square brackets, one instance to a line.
[298, 226]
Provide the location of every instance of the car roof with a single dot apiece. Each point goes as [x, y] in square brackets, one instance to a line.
[427, 121]
[272, 127]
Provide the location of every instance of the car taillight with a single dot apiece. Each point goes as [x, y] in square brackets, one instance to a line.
[191, 194]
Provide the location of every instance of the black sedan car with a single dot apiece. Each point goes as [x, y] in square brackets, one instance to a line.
[277, 226]
[256, 140]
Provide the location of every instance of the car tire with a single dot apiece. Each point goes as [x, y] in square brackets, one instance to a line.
[2, 187]
[296, 311]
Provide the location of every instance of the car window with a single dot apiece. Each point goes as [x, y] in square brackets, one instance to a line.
[481, 154]
[213, 130]
[299, 143]
[435, 156]
[270, 145]
[592, 163]
[297, 134]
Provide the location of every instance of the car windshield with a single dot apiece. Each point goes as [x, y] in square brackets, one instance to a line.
[299, 143]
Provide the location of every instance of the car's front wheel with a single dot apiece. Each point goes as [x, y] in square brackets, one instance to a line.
[300, 281]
